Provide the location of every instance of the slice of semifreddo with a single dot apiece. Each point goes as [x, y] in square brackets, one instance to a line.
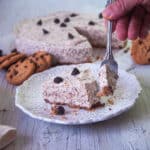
[107, 81]
[75, 90]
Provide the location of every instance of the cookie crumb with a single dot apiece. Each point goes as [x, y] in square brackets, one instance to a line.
[110, 101]
[58, 110]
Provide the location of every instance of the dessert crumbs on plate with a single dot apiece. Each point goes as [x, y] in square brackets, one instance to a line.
[111, 101]
[64, 118]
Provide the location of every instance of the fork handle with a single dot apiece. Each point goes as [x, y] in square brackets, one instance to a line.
[109, 53]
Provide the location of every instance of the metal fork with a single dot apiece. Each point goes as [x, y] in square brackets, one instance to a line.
[109, 58]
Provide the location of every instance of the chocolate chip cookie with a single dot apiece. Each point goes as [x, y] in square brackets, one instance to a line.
[11, 60]
[41, 64]
[5, 57]
[140, 51]
[20, 71]
[47, 57]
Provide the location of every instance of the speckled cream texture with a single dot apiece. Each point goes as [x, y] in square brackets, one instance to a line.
[79, 90]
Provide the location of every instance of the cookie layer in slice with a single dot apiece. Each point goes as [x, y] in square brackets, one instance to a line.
[107, 81]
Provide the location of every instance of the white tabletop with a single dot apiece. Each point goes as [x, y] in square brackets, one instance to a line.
[130, 130]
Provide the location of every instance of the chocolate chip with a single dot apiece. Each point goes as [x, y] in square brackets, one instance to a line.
[56, 20]
[1, 52]
[42, 56]
[75, 72]
[70, 36]
[73, 15]
[58, 80]
[31, 61]
[92, 23]
[25, 66]
[16, 65]
[9, 70]
[63, 25]
[36, 59]
[58, 110]
[45, 31]
[66, 20]
[148, 59]
[15, 72]
[100, 16]
[140, 42]
[39, 22]
[14, 50]
[22, 60]
[11, 76]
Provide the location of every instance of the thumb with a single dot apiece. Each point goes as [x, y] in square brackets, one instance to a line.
[119, 8]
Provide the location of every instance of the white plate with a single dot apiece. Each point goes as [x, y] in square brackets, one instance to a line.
[29, 99]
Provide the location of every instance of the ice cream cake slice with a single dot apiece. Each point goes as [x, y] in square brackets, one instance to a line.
[75, 90]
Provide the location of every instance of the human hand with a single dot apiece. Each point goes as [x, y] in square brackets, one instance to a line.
[131, 18]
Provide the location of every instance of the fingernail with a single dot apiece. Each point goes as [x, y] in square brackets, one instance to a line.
[107, 14]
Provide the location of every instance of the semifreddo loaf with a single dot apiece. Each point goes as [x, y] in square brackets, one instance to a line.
[70, 37]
